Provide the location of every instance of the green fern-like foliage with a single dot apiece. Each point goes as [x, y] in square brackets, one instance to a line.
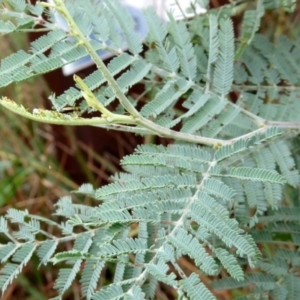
[216, 195]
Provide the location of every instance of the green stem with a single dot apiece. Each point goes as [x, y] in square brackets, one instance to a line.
[245, 87]
[54, 117]
[124, 128]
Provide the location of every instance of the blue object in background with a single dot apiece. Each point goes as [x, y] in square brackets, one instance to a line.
[141, 28]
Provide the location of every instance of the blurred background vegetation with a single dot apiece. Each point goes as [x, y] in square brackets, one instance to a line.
[40, 163]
